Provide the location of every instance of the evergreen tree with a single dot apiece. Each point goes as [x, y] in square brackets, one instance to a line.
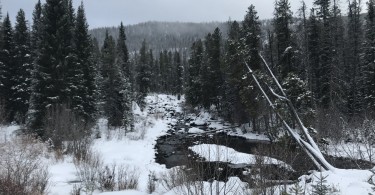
[7, 69]
[193, 95]
[122, 52]
[233, 71]
[123, 62]
[368, 57]
[179, 74]
[211, 75]
[54, 63]
[250, 38]
[144, 74]
[113, 84]
[282, 23]
[338, 59]
[22, 67]
[324, 69]
[313, 53]
[354, 70]
[36, 27]
[85, 69]
[302, 42]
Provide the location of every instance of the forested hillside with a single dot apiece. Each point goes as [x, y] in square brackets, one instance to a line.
[161, 35]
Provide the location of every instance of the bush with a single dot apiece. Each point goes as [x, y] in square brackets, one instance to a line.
[95, 175]
[66, 131]
[22, 170]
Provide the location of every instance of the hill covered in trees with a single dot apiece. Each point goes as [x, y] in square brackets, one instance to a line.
[161, 35]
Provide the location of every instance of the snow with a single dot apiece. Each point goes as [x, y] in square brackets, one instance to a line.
[8, 132]
[214, 153]
[136, 150]
[61, 174]
[195, 130]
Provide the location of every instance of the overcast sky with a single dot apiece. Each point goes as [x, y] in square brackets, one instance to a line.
[111, 12]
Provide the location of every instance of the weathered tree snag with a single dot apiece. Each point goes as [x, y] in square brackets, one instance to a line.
[309, 146]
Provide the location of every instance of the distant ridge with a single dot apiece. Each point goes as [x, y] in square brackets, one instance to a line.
[162, 35]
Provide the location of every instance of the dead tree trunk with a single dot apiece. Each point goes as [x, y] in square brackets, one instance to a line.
[309, 146]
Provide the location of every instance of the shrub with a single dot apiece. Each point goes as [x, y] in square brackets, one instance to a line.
[22, 170]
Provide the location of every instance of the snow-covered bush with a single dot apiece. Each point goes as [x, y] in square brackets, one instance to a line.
[22, 170]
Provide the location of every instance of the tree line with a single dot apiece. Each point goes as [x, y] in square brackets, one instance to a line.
[324, 60]
[56, 65]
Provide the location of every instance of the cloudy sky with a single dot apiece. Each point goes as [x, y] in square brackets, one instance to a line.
[111, 12]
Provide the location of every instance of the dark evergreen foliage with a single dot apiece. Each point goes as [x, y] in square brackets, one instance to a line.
[143, 74]
[368, 58]
[84, 75]
[7, 68]
[283, 34]
[21, 89]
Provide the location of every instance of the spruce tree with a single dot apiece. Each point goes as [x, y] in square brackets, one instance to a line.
[54, 62]
[36, 27]
[282, 22]
[233, 71]
[354, 70]
[179, 74]
[112, 86]
[250, 36]
[143, 74]
[85, 68]
[368, 57]
[193, 95]
[122, 61]
[7, 69]
[324, 70]
[338, 57]
[23, 67]
[313, 53]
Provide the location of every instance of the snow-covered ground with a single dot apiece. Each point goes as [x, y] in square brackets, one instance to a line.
[136, 151]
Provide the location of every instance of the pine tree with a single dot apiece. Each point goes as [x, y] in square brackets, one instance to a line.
[368, 57]
[354, 70]
[23, 67]
[250, 38]
[179, 74]
[324, 70]
[54, 62]
[122, 51]
[211, 75]
[127, 92]
[85, 68]
[233, 70]
[36, 27]
[313, 53]
[193, 95]
[113, 84]
[282, 22]
[144, 74]
[338, 59]
[321, 187]
[7, 69]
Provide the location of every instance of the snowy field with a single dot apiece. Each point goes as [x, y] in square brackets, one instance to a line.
[135, 151]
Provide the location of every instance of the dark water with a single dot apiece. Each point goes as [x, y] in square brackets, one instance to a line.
[172, 150]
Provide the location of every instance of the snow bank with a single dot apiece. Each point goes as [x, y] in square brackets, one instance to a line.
[212, 153]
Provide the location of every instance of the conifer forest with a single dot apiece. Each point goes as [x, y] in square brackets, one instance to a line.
[284, 105]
